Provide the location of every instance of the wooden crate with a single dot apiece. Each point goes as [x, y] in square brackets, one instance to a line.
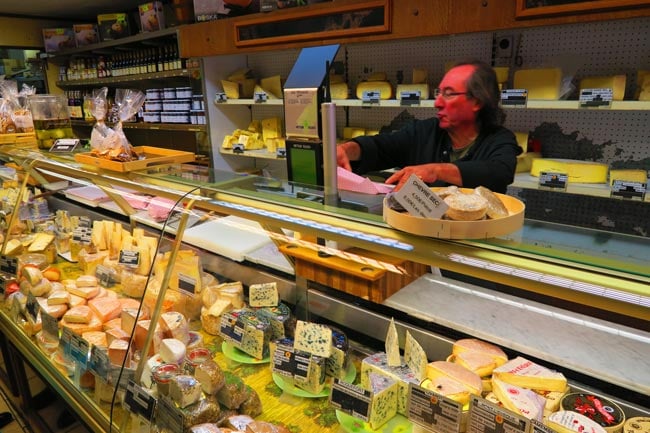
[151, 156]
[375, 279]
[23, 139]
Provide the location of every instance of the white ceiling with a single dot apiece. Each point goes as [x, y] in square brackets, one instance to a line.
[73, 10]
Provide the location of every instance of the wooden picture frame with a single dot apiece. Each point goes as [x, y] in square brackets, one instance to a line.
[538, 8]
[306, 24]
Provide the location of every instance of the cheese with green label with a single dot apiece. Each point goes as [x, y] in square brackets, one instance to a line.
[527, 374]
[378, 364]
[383, 406]
[313, 338]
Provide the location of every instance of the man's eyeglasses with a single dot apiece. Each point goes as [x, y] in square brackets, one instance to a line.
[447, 93]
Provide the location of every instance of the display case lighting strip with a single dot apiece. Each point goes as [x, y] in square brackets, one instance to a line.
[318, 226]
[579, 286]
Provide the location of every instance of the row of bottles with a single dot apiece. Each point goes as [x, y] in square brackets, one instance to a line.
[143, 61]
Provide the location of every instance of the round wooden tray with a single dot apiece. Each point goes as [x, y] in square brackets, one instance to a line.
[449, 229]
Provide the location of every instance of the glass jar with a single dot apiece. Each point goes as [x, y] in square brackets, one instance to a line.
[162, 375]
[194, 358]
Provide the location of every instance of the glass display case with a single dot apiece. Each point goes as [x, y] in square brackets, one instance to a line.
[542, 266]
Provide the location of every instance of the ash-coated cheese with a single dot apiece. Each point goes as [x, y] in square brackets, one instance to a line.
[402, 374]
[313, 338]
[263, 295]
[184, 390]
[383, 406]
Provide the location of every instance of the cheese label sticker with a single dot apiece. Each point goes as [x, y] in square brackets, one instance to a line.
[370, 96]
[220, 97]
[283, 362]
[168, 415]
[629, 190]
[417, 199]
[79, 350]
[64, 145]
[50, 327]
[99, 362]
[186, 283]
[514, 98]
[139, 402]
[9, 265]
[552, 180]
[410, 97]
[350, 399]
[32, 307]
[129, 258]
[594, 98]
[486, 417]
[430, 409]
[260, 97]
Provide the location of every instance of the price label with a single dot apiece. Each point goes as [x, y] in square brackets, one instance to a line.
[550, 180]
[9, 265]
[99, 362]
[417, 199]
[129, 258]
[186, 283]
[281, 152]
[3, 286]
[79, 350]
[539, 427]
[260, 97]
[431, 409]
[50, 327]
[410, 97]
[628, 190]
[64, 145]
[350, 399]
[105, 276]
[238, 147]
[594, 98]
[514, 98]
[168, 416]
[370, 96]
[486, 417]
[231, 329]
[139, 402]
[64, 342]
[283, 359]
[220, 98]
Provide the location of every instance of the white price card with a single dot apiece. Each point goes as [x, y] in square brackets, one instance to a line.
[419, 200]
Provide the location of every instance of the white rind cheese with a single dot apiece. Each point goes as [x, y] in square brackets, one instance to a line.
[566, 421]
[526, 374]
[520, 400]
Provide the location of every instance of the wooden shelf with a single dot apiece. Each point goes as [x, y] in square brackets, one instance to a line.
[151, 126]
[165, 75]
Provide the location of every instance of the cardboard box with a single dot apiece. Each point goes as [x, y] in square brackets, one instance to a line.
[85, 34]
[58, 39]
[113, 26]
[209, 10]
[152, 16]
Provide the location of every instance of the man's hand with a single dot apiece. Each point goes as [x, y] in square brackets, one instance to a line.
[428, 173]
[346, 152]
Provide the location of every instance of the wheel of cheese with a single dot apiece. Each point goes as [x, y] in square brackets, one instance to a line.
[598, 409]
[637, 424]
[466, 207]
[496, 208]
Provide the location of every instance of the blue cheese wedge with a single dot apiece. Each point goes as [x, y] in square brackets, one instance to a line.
[313, 338]
[263, 295]
[383, 405]
[403, 375]
[392, 345]
[248, 332]
[336, 365]
[281, 319]
[415, 357]
[310, 372]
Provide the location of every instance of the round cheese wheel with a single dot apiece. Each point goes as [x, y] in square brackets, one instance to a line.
[637, 424]
[602, 411]
[466, 207]
[496, 208]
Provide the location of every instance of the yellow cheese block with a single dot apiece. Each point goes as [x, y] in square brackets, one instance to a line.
[378, 76]
[614, 82]
[272, 85]
[40, 242]
[522, 140]
[420, 76]
[642, 85]
[525, 161]
[502, 73]
[339, 90]
[577, 171]
[422, 88]
[628, 175]
[543, 83]
[271, 128]
[269, 94]
[231, 89]
[383, 87]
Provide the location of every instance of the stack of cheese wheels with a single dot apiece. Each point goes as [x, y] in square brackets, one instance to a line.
[478, 356]
[453, 381]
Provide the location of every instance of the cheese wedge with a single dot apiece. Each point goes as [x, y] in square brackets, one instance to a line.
[383, 406]
[524, 401]
[542, 83]
[231, 89]
[577, 171]
[95, 338]
[350, 132]
[443, 374]
[57, 311]
[527, 374]
[628, 175]
[105, 308]
[88, 292]
[272, 85]
[480, 363]
[41, 241]
[415, 357]
[392, 345]
[118, 351]
[566, 421]
[79, 328]
[80, 314]
[339, 90]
